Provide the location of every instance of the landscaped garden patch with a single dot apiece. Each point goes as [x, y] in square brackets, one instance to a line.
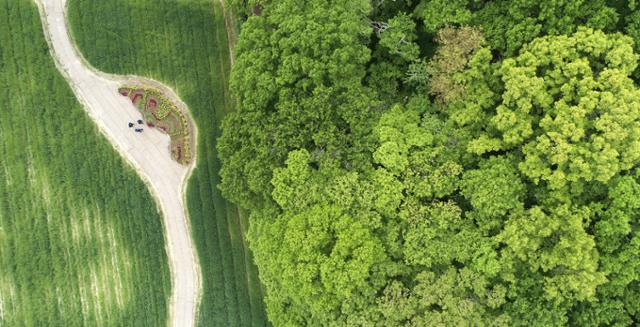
[159, 112]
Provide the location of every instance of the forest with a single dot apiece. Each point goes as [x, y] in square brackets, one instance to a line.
[72, 251]
[184, 45]
[439, 162]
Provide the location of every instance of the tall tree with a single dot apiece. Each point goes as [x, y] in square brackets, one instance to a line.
[298, 79]
[571, 107]
[509, 24]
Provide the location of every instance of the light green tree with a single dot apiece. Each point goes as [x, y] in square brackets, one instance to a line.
[398, 38]
[571, 106]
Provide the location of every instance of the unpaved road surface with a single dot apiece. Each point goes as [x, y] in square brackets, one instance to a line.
[148, 152]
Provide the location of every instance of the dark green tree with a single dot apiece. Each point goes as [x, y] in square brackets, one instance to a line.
[298, 80]
[510, 24]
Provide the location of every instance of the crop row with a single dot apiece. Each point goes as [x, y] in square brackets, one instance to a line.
[73, 251]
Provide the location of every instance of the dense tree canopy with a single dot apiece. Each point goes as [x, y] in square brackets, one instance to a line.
[298, 86]
[509, 24]
[440, 163]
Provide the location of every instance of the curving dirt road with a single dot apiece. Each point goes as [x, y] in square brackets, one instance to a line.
[148, 152]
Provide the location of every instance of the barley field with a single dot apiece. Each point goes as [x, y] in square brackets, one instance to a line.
[81, 240]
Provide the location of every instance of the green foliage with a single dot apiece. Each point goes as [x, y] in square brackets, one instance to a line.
[81, 238]
[440, 13]
[474, 97]
[633, 30]
[494, 189]
[509, 24]
[457, 46]
[495, 185]
[297, 77]
[399, 36]
[334, 263]
[184, 45]
[555, 242]
[570, 105]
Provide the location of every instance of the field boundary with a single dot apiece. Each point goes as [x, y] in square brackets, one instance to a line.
[231, 31]
[240, 215]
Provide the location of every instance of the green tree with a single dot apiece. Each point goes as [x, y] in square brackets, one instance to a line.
[298, 80]
[398, 37]
[633, 30]
[457, 46]
[570, 105]
[440, 13]
[509, 24]
[494, 189]
[321, 259]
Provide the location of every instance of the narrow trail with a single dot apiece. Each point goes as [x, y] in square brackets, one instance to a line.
[148, 152]
[231, 34]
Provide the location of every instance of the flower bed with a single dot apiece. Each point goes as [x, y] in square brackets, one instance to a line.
[158, 111]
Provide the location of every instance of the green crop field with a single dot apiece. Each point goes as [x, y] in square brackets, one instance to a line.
[184, 45]
[73, 252]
